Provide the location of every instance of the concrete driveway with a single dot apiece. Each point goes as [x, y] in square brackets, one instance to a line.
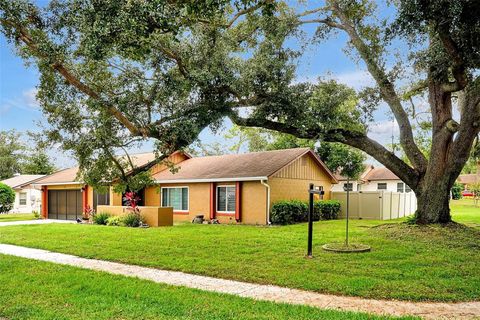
[26, 222]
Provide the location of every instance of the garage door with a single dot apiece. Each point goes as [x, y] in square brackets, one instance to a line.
[64, 204]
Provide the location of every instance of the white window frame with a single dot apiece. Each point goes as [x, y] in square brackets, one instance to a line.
[403, 187]
[19, 199]
[345, 184]
[382, 183]
[226, 198]
[179, 187]
[407, 188]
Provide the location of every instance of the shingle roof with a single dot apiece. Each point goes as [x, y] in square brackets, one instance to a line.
[70, 175]
[21, 180]
[380, 173]
[366, 170]
[469, 178]
[235, 166]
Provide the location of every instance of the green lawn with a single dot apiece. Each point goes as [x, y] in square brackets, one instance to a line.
[466, 212]
[16, 217]
[40, 290]
[407, 262]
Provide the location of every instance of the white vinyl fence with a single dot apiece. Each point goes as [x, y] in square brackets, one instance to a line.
[376, 205]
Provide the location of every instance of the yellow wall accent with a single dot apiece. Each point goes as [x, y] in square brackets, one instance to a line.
[305, 168]
[154, 216]
[175, 158]
[292, 181]
[65, 186]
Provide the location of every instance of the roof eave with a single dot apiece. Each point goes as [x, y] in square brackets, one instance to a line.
[233, 179]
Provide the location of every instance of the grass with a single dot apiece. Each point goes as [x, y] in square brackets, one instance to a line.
[466, 212]
[406, 262]
[16, 217]
[40, 290]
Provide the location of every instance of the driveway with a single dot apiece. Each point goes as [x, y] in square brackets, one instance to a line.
[25, 222]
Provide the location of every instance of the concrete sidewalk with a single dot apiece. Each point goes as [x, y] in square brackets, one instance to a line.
[465, 310]
[27, 222]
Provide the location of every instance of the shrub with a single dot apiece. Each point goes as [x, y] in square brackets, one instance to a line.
[294, 211]
[7, 198]
[36, 214]
[132, 220]
[457, 191]
[101, 218]
[326, 209]
[114, 221]
[288, 212]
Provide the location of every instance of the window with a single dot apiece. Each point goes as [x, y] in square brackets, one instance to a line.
[176, 198]
[400, 187]
[407, 188]
[381, 186]
[23, 198]
[348, 186]
[226, 199]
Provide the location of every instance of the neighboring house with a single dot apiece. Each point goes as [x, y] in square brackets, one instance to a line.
[374, 179]
[27, 198]
[231, 188]
[469, 179]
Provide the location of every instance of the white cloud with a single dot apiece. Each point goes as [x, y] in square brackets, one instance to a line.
[26, 101]
[29, 97]
[357, 79]
[382, 131]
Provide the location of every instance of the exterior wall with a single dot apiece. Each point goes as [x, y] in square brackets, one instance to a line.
[372, 185]
[339, 186]
[292, 181]
[34, 200]
[175, 158]
[115, 198]
[252, 202]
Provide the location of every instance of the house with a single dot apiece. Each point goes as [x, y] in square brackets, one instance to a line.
[27, 198]
[467, 180]
[230, 188]
[374, 179]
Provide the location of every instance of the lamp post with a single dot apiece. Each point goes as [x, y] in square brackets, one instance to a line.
[348, 166]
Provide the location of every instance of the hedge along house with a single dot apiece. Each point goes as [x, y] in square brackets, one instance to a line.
[238, 188]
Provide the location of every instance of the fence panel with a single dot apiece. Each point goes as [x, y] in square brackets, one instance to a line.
[376, 205]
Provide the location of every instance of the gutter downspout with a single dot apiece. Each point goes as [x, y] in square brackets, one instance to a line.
[268, 200]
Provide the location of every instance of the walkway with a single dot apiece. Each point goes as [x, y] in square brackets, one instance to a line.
[466, 310]
[42, 221]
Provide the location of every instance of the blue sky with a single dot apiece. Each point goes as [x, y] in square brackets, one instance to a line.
[19, 109]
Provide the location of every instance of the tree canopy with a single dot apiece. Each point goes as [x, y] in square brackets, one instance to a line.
[18, 156]
[116, 73]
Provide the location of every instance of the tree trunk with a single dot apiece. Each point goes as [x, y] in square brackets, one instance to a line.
[433, 204]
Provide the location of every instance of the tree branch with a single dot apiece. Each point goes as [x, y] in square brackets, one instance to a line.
[352, 138]
[387, 92]
[458, 68]
[24, 36]
[246, 11]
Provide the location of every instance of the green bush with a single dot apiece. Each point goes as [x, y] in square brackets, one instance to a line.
[294, 211]
[114, 221]
[457, 191]
[288, 212]
[36, 214]
[7, 198]
[132, 220]
[326, 210]
[101, 218]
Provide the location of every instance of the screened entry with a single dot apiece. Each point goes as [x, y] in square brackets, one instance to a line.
[64, 204]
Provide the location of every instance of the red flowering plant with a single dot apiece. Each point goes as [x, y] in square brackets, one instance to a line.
[88, 213]
[132, 200]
